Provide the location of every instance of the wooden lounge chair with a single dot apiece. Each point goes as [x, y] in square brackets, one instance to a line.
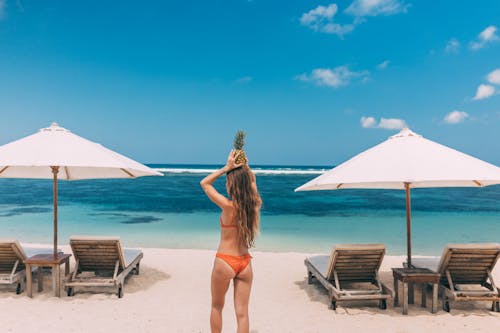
[466, 273]
[350, 273]
[12, 269]
[101, 263]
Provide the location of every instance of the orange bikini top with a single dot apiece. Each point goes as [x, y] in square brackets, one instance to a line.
[222, 225]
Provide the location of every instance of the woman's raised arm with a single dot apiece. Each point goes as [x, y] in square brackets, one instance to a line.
[207, 182]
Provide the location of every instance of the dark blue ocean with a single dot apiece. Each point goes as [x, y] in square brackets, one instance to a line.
[172, 211]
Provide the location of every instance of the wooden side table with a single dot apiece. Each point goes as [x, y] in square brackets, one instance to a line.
[421, 276]
[46, 260]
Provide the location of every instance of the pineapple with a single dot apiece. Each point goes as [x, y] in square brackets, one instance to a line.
[239, 142]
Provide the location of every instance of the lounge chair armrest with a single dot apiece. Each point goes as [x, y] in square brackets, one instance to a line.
[70, 277]
[450, 280]
[77, 267]
[387, 290]
[492, 282]
[14, 268]
[117, 266]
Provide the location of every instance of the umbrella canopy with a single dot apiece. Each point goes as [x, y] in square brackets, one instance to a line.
[56, 153]
[79, 158]
[405, 161]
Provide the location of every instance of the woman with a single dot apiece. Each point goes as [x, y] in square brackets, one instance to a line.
[239, 224]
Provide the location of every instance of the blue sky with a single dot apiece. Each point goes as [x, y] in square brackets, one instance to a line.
[312, 82]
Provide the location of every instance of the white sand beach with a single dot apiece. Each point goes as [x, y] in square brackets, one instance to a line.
[172, 294]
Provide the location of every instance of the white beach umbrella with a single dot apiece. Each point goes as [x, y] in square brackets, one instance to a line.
[56, 153]
[405, 161]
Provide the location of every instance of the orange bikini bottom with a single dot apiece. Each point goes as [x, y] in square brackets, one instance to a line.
[237, 263]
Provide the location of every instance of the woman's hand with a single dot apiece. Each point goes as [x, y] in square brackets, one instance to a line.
[231, 161]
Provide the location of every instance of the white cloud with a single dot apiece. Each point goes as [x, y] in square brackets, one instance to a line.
[486, 36]
[385, 123]
[484, 91]
[494, 76]
[244, 79]
[321, 19]
[368, 122]
[362, 8]
[455, 117]
[392, 123]
[383, 65]
[489, 33]
[339, 76]
[452, 46]
[337, 29]
[318, 14]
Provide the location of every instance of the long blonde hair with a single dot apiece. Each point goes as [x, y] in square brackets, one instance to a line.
[242, 189]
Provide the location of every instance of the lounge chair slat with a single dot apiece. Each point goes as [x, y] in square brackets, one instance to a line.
[362, 261]
[462, 267]
[358, 275]
[370, 266]
[479, 252]
[357, 256]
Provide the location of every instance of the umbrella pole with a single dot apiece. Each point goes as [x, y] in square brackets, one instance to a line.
[408, 223]
[55, 170]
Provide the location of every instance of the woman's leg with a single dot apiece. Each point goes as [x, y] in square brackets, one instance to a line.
[222, 274]
[242, 286]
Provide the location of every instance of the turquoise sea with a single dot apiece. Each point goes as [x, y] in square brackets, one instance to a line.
[172, 211]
